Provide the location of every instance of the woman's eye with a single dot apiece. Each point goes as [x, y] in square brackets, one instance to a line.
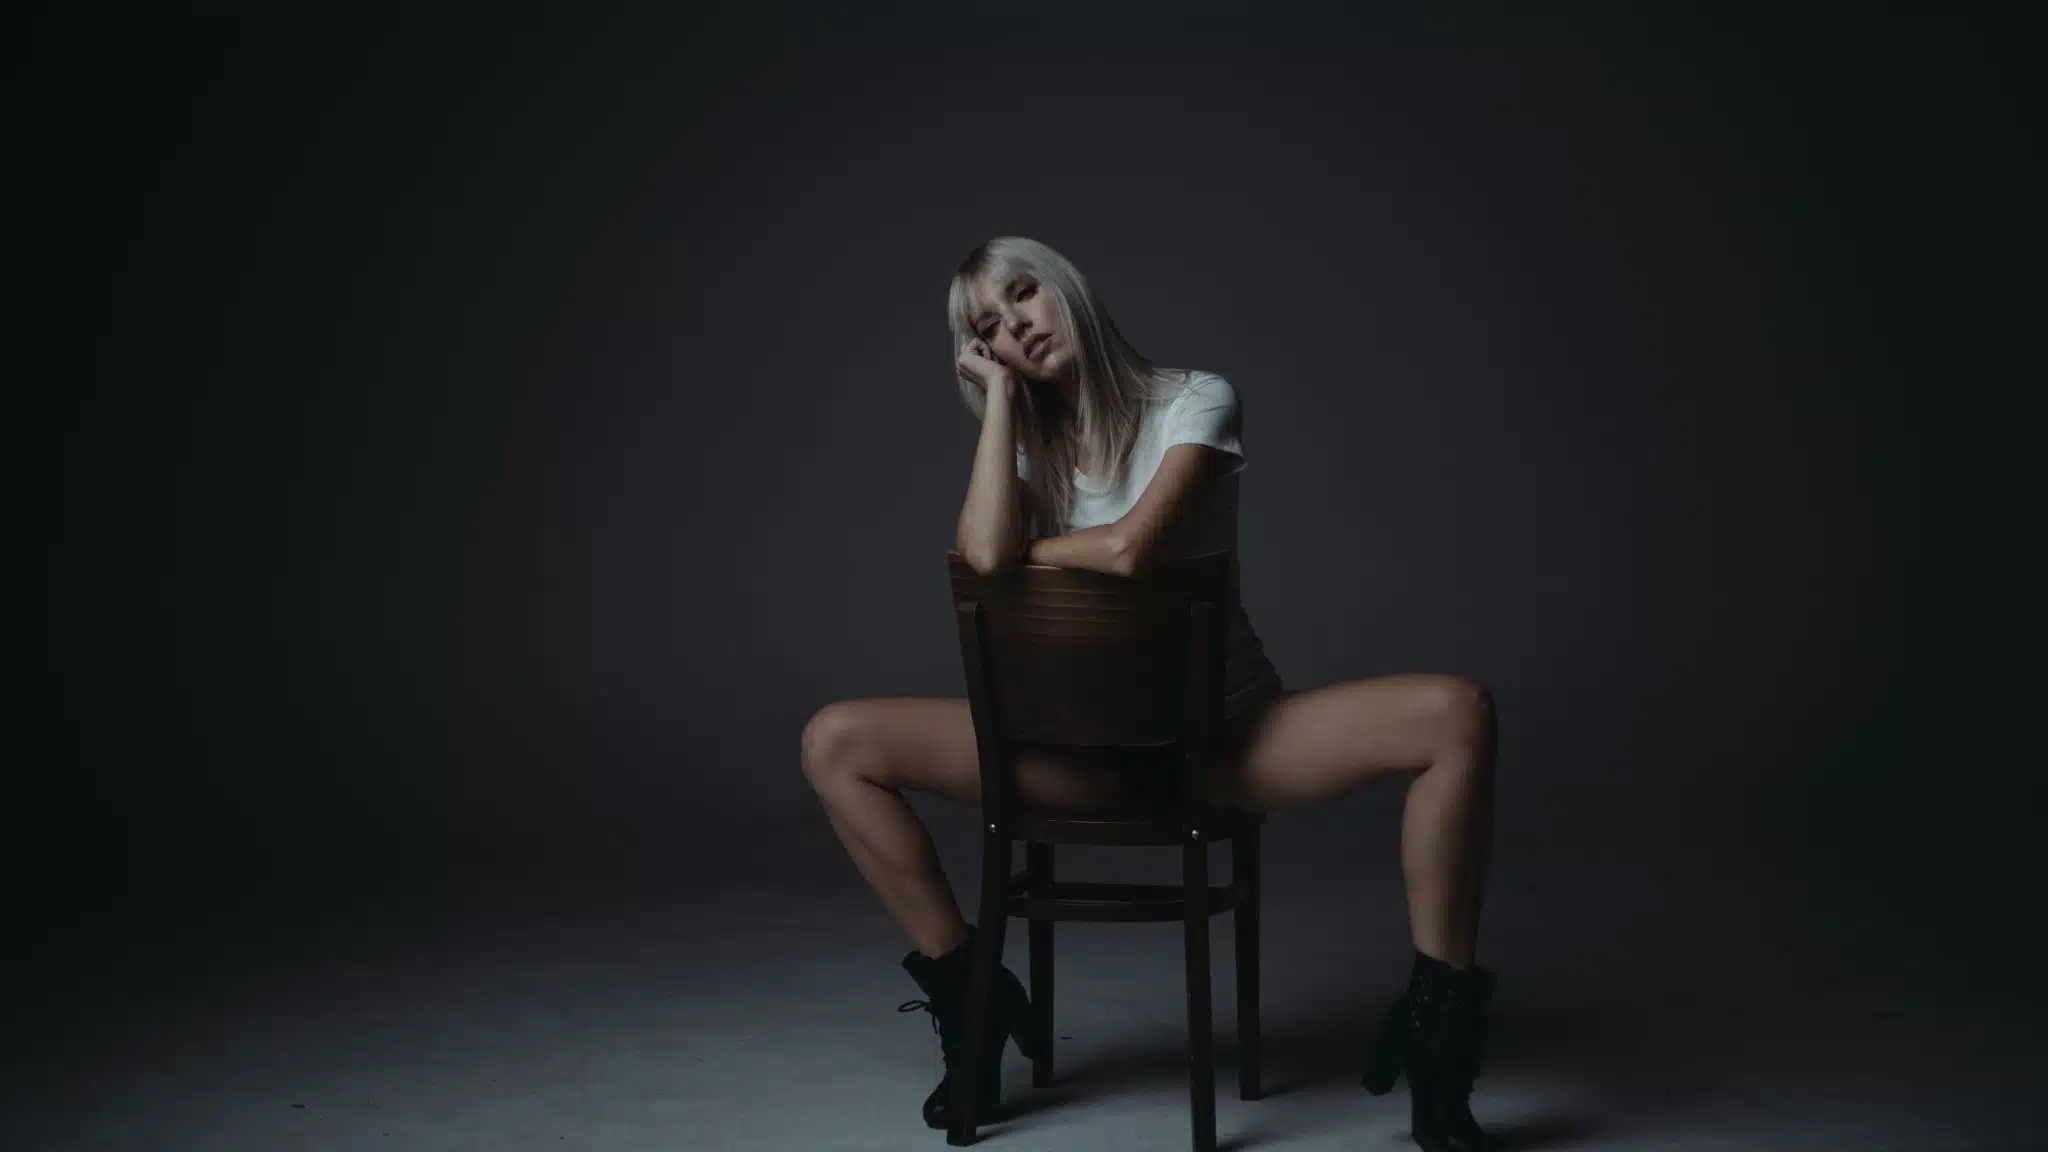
[1025, 293]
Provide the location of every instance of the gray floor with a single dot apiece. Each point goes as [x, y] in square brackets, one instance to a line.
[765, 1019]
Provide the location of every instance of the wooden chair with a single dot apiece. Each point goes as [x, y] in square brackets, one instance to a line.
[1065, 657]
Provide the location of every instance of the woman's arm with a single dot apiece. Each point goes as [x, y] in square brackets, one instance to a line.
[991, 534]
[1130, 544]
[1103, 548]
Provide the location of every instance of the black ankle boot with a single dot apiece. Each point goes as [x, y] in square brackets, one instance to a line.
[945, 981]
[1390, 1045]
[1436, 1035]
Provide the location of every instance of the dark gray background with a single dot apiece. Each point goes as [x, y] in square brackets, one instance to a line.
[454, 452]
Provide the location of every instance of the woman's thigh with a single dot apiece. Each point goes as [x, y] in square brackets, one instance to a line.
[927, 744]
[1306, 746]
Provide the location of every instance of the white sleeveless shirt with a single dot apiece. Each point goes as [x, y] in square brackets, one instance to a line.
[1205, 412]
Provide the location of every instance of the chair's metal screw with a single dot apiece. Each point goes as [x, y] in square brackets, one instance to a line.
[991, 827]
[1197, 834]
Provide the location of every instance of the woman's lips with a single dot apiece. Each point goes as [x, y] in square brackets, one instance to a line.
[1038, 346]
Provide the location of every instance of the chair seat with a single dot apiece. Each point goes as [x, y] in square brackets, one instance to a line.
[1141, 826]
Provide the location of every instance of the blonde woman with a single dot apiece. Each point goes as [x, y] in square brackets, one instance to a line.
[1092, 456]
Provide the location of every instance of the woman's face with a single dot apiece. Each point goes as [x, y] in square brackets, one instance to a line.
[1020, 322]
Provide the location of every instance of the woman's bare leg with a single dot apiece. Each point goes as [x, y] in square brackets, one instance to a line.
[1310, 746]
[858, 756]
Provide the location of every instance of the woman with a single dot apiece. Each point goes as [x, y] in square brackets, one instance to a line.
[1093, 457]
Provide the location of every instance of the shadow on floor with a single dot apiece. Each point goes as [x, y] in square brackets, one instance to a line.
[1623, 1066]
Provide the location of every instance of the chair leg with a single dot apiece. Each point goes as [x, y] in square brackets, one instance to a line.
[1201, 1032]
[1244, 873]
[991, 919]
[1038, 869]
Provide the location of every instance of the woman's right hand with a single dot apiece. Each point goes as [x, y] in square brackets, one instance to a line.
[978, 366]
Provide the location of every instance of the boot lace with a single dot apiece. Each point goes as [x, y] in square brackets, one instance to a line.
[926, 1005]
[947, 1041]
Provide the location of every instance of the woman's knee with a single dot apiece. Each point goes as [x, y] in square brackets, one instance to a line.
[1466, 710]
[832, 742]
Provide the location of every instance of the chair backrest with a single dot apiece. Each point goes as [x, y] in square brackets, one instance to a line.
[1061, 656]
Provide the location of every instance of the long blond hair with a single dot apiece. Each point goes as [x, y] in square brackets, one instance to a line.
[1116, 382]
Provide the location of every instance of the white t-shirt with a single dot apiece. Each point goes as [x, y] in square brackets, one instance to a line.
[1207, 412]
